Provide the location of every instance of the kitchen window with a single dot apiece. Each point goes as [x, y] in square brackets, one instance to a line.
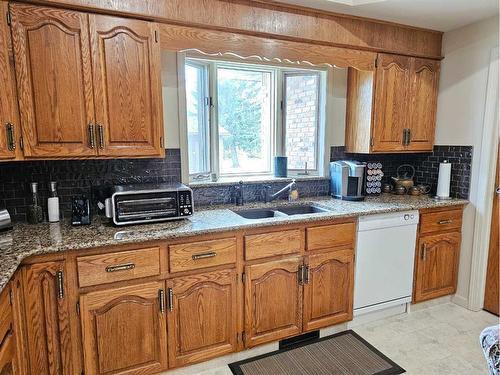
[239, 116]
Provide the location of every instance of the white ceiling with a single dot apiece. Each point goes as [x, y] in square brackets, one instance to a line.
[443, 15]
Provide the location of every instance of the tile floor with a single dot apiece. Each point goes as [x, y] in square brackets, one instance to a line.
[440, 340]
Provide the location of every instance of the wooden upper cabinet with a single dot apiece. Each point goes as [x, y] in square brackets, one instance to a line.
[423, 104]
[392, 109]
[124, 330]
[9, 116]
[436, 266]
[48, 319]
[391, 102]
[202, 318]
[328, 289]
[273, 301]
[126, 62]
[53, 71]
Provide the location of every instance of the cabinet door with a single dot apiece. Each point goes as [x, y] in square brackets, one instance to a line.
[47, 319]
[53, 71]
[202, 317]
[424, 91]
[124, 330]
[8, 100]
[436, 266]
[273, 301]
[328, 289]
[391, 103]
[126, 63]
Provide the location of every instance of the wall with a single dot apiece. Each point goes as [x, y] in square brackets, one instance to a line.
[461, 105]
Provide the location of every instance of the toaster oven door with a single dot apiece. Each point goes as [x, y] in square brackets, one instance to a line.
[140, 208]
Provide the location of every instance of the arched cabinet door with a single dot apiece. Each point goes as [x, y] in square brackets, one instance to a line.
[202, 317]
[328, 289]
[54, 81]
[436, 266]
[273, 301]
[126, 66]
[391, 102]
[48, 319]
[424, 91]
[124, 330]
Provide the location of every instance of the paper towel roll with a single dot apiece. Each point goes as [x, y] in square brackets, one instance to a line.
[443, 189]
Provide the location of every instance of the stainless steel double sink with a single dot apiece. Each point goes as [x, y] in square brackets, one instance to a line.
[279, 211]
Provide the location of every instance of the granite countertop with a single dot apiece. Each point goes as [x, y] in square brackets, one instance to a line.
[26, 240]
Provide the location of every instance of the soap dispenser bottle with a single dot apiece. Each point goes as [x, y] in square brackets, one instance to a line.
[53, 203]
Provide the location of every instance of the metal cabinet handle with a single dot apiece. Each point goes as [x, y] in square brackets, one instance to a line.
[120, 267]
[170, 299]
[424, 252]
[91, 136]
[161, 300]
[60, 284]
[443, 222]
[406, 137]
[100, 130]
[204, 255]
[11, 139]
[300, 274]
[498, 190]
[306, 275]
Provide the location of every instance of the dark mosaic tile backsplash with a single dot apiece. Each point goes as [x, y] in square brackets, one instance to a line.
[426, 165]
[81, 177]
[77, 177]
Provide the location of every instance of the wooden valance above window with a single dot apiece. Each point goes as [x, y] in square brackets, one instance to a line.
[221, 43]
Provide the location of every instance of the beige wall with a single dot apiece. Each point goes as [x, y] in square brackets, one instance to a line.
[461, 105]
[170, 99]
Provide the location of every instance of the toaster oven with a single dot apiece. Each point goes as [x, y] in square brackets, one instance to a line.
[149, 203]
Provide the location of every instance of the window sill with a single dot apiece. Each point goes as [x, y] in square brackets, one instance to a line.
[225, 181]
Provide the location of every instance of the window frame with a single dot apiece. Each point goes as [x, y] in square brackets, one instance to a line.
[206, 116]
[296, 73]
[278, 116]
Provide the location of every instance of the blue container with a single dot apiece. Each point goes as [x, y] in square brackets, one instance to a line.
[280, 166]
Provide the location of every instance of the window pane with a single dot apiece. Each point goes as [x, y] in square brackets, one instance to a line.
[244, 120]
[197, 119]
[301, 120]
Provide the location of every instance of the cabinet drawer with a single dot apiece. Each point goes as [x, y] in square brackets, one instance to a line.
[328, 236]
[440, 221]
[195, 255]
[112, 267]
[271, 244]
[5, 314]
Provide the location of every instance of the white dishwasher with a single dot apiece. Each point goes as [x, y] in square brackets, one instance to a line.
[385, 254]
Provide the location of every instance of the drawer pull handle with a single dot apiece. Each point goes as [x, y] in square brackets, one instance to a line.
[204, 255]
[120, 267]
[443, 222]
[306, 274]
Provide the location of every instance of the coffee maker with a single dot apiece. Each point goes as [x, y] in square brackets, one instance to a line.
[347, 179]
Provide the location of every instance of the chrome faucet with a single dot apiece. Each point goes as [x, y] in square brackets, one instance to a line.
[267, 197]
[237, 194]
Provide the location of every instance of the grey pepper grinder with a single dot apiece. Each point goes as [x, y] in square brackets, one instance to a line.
[35, 213]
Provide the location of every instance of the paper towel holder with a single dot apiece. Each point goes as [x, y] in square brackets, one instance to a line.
[439, 197]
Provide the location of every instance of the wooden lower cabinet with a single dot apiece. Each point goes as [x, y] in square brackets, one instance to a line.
[48, 320]
[124, 330]
[328, 289]
[273, 301]
[436, 265]
[202, 318]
